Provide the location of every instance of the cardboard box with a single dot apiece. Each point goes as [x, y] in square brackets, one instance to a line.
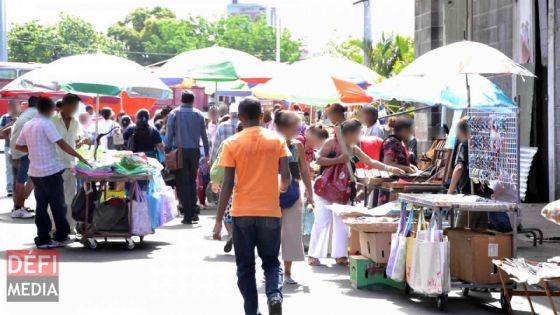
[375, 246]
[471, 254]
[354, 242]
[364, 273]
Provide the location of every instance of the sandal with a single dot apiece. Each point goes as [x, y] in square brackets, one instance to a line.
[342, 261]
[312, 261]
[289, 280]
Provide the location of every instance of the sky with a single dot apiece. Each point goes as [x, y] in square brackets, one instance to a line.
[314, 21]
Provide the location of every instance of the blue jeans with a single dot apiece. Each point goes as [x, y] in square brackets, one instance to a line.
[264, 234]
[49, 191]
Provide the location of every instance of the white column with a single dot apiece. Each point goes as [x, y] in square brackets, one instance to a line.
[3, 32]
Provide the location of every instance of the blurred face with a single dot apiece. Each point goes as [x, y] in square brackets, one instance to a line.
[461, 135]
[352, 137]
[313, 140]
[69, 108]
[404, 134]
[14, 109]
[85, 119]
[336, 118]
[370, 119]
[213, 115]
[289, 132]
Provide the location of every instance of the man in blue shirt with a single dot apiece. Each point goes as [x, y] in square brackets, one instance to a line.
[185, 129]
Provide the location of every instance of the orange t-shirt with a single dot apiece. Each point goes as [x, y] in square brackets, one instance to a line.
[255, 154]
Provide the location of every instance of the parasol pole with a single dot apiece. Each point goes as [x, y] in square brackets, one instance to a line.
[469, 138]
[97, 115]
[121, 102]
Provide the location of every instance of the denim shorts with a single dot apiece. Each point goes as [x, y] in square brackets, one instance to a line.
[21, 166]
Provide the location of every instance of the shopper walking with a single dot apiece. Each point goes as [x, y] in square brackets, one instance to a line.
[38, 137]
[331, 154]
[71, 132]
[20, 163]
[185, 129]
[6, 123]
[287, 124]
[142, 137]
[254, 157]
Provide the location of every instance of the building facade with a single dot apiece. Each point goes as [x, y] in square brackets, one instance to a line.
[526, 31]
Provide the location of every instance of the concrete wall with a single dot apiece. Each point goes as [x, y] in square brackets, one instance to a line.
[428, 35]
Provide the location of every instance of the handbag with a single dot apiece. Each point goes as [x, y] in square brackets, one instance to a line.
[333, 184]
[290, 196]
[429, 270]
[141, 222]
[78, 206]
[174, 158]
[397, 259]
[111, 216]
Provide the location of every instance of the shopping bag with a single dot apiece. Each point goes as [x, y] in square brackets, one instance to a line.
[420, 233]
[396, 264]
[141, 222]
[429, 270]
[168, 206]
[164, 205]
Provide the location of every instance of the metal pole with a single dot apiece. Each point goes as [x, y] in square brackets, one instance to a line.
[3, 32]
[551, 90]
[367, 31]
[278, 37]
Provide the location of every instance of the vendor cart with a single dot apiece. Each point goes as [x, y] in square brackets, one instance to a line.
[89, 237]
[437, 203]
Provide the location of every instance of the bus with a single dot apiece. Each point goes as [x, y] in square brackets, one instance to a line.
[8, 72]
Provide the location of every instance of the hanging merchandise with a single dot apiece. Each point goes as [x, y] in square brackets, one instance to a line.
[141, 222]
[397, 258]
[493, 146]
[429, 266]
[162, 205]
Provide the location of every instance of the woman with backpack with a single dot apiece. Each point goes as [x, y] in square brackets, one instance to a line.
[334, 185]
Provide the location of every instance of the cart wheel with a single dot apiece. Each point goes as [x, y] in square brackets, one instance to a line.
[441, 301]
[407, 289]
[129, 243]
[465, 291]
[503, 301]
[92, 243]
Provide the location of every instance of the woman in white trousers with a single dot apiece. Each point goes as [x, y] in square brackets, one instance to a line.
[329, 156]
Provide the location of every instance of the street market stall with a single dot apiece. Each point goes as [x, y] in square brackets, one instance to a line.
[105, 208]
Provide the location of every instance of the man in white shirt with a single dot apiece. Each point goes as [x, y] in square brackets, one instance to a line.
[38, 137]
[372, 128]
[20, 163]
[71, 132]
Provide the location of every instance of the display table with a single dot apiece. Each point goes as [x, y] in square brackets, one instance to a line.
[511, 270]
[436, 203]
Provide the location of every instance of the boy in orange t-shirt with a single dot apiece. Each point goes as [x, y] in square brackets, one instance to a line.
[252, 159]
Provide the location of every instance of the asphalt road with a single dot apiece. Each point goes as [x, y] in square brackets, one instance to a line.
[180, 270]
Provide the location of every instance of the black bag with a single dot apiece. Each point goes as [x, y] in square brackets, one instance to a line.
[78, 205]
[111, 216]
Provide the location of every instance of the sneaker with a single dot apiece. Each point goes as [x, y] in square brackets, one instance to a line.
[10, 194]
[275, 307]
[50, 244]
[67, 241]
[21, 213]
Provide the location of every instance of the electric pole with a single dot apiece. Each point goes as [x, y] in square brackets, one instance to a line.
[367, 30]
[3, 32]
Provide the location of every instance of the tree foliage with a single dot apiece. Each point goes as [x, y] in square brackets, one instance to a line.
[147, 36]
[35, 42]
[153, 35]
[388, 57]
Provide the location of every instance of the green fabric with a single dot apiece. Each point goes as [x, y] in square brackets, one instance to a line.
[217, 172]
[220, 72]
[101, 89]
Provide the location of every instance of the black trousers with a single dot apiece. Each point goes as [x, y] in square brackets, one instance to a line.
[49, 191]
[185, 179]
